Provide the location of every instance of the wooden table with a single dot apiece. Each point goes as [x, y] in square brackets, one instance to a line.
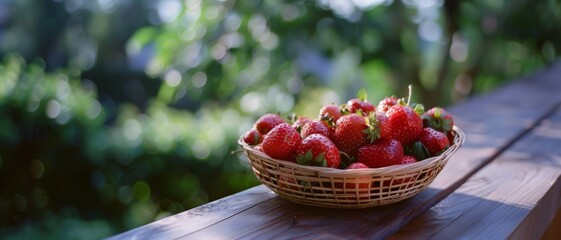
[503, 183]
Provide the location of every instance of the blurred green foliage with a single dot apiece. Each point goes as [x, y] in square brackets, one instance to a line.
[116, 113]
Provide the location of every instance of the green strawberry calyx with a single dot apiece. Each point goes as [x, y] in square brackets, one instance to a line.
[362, 95]
[309, 160]
[419, 109]
[373, 130]
[439, 121]
[418, 150]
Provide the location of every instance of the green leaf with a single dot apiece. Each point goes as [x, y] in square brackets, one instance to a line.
[305, 159]
[437, 113]
[362, 95]
[318, 161]
[360, 112]
[373, 130]
[418, 150]
[343, 165]
[447, 125]
[419, 109]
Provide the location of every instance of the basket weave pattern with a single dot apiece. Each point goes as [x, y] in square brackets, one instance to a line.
[356, 188]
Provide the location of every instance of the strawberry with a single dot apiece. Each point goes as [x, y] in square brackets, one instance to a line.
[252, 137]
[258, 147]
[281, 142]
[267, 122]
[330, 113]
[356, 165]
[378, 126]
[286, 181]
[386, 104]
[315, 127]
[318, 150]
[381, 153]
[438, 119]
[356, 104]
[408, 159]
[406, 125]
[349, 134]
[434, 141]
[360, 104]
[417, 150]
[299, 122]
[360, 182]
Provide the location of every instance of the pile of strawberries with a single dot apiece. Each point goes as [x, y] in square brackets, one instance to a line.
[355, 135]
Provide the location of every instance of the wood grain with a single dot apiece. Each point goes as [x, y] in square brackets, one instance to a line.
[515, 196]
[554, 230]
[492, 122]
[200, 217]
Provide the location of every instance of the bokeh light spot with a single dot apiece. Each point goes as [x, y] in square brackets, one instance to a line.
[252, 102]
[94, 110]
[168, 10]
[141, 191]
[173, 78]
[125, 194]
[201, 150]
[459, 48]
[232, 22]
[40, 198]
[430, 31]
[36, 168]
[132, 129]
[53, 108]
[218, 51]
[199, 79]
[20, 203]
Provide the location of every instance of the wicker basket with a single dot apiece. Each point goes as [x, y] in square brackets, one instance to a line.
[356, 188]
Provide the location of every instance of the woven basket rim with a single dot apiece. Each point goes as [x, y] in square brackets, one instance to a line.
[459, 140]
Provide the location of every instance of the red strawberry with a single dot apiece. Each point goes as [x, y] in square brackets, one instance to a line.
[356, 104]
[258, 147]
[330, 113]
[438, 119]
[356, 165]
[362, 182]
[281, 142]
[408, 159]
[386, 104]
[434, 141]
[406, 125]
[300, 122]
[267, 122]
[378, 126]
[318, 150]
[315, 127]
[252, 137]
[349, 134]
[401, 179]
[286, 181]
[381, 153]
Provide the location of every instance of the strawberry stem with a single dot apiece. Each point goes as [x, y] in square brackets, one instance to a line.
[410, 93]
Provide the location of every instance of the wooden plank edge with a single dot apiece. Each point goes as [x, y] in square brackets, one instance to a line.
[200, 217]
